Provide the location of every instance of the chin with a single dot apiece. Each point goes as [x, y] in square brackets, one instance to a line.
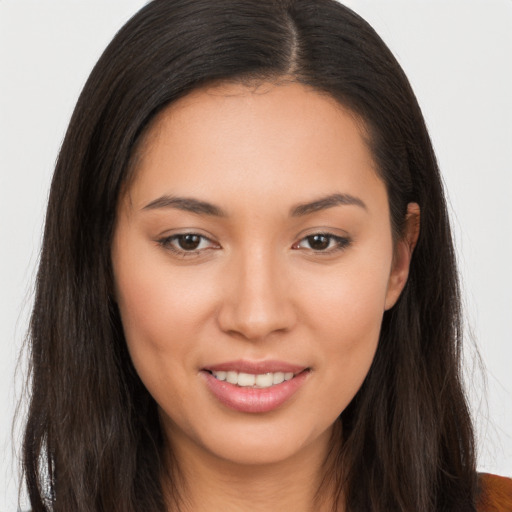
[261, 444]
[258, 453]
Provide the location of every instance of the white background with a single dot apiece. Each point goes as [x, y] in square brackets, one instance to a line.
[458, 56]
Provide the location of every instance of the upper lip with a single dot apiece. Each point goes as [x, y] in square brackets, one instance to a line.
[256, 367]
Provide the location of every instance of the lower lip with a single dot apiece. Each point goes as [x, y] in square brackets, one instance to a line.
[254, 400]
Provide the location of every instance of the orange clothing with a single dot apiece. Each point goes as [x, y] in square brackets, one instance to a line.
[495, 493]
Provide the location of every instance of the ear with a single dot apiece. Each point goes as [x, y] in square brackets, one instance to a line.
[402, 255]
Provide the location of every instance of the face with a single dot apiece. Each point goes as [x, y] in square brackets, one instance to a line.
[253, 261]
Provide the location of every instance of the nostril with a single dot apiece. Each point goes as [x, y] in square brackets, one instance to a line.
[255, 322]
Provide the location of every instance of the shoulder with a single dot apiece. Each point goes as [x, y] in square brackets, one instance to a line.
[494, 493]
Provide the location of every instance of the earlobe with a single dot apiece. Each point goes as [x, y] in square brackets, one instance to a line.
[402, 255]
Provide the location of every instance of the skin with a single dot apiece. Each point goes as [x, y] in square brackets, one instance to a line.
[256, 288]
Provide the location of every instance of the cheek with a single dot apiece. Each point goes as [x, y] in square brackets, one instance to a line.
[347, 313]
[162, 311]
[351, 300]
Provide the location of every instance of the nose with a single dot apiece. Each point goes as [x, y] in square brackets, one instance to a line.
[256, 300]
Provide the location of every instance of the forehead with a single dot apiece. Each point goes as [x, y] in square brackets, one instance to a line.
[234, 140]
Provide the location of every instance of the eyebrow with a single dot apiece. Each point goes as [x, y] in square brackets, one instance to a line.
[326, 202]
[187, 204]
[198, 207]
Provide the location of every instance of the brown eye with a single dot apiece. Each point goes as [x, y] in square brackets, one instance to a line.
[189, 242]
[326, 243]
[318, 242]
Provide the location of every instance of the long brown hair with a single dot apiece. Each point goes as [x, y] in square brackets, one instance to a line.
[93, 440]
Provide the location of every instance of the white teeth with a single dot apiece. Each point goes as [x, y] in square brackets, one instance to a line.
[278, 378]
[221, 375]
[232, 377]
[246, 379]
[263, 380]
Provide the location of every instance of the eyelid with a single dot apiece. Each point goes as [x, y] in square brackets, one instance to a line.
[166, 243]
[342, 241]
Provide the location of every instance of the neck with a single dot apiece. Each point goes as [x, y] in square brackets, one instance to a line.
[208, 483]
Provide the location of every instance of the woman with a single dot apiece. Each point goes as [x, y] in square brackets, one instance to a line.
[247, 295]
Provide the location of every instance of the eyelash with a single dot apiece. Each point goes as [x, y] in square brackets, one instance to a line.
[167, 243]
[340, 244]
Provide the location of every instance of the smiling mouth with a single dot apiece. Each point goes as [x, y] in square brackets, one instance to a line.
[260, 388]
[249, 380]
